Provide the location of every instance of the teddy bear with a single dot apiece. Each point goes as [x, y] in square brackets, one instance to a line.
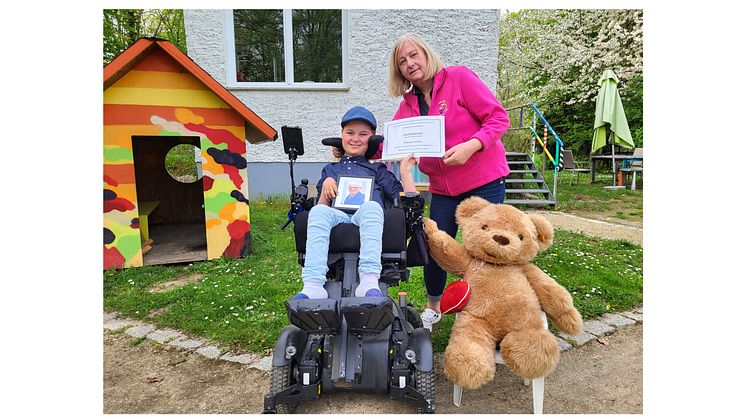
[508, 293]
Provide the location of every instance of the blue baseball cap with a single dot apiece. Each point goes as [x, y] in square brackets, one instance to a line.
[358, 113]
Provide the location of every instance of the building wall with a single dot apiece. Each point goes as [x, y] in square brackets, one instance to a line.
[461, 37]
[158, 98]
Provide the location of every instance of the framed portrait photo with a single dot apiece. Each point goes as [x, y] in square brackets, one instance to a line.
[353, 192]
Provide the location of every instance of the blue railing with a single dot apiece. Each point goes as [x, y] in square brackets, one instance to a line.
[560, 144]
[555, 159]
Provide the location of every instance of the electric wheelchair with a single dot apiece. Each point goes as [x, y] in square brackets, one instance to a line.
[348, 343]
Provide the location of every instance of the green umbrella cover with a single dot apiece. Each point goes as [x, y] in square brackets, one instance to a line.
[610, 114]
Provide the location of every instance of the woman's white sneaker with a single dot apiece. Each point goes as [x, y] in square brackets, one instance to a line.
[429, 318]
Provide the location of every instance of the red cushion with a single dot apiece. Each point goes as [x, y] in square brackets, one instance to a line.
[455, 297]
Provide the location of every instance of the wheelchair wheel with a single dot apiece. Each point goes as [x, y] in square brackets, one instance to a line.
[425, 383]
[281, 379]
[413, 317]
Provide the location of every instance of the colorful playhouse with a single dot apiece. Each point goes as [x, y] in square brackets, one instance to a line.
[156, 98]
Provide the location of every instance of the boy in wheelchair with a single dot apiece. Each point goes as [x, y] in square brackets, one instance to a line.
[346, 334]
[358, 125]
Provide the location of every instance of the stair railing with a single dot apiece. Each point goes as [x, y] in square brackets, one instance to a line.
[556, 159]
[558, 148]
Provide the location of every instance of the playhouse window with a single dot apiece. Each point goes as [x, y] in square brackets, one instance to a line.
[183, 163]
[298, 48]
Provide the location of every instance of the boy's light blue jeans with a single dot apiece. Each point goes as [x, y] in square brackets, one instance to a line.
[321, 220]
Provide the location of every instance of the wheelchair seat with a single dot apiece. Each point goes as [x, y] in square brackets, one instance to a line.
[345, 238]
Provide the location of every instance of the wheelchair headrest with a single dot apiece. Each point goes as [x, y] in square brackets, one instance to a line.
[373, 143]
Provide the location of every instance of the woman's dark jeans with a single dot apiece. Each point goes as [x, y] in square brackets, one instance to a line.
[443, 212]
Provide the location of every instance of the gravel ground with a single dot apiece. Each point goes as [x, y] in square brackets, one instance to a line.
[599, 377]
[629, 231]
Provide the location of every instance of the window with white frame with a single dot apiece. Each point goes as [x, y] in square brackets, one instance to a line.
[287, 48]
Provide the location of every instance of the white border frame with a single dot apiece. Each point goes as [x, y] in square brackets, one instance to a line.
[427, 124]
[289, 84]
[343, 181]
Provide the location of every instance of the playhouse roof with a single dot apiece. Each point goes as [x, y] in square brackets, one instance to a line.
[130, 57]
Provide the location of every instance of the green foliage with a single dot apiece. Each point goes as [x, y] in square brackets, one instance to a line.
[239, 303]
[123, 27]
[554, 59]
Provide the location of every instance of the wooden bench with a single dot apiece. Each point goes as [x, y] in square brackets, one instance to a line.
[145, 208]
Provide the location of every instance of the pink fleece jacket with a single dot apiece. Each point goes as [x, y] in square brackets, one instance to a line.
[471, 111]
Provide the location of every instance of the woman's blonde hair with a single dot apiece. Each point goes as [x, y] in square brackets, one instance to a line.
[398, 85]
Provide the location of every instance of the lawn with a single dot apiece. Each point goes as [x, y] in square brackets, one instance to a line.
[238, 303]
[593, 201]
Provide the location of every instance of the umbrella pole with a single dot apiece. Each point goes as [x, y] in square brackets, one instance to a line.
[613, 161]
[613, 166]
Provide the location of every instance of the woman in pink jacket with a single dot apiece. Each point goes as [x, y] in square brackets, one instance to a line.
[474, 162]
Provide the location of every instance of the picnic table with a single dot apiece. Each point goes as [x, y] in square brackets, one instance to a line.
[634, 169]
[617, 159]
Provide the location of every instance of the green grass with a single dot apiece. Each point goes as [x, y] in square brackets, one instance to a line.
[592, 200]
[239, 303]
[180, 162]
[137, 341]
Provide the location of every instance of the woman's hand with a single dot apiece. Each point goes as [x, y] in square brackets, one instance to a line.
[460, 153]
[328, 191]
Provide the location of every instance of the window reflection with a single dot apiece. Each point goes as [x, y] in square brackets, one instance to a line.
[260, 49]
[317, 45]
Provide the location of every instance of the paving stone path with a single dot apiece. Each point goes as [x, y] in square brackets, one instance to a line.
[115, 323]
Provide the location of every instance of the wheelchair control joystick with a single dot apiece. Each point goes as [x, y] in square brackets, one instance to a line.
[298, 202]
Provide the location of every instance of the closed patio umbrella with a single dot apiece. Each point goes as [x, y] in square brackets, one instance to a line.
[610, 115]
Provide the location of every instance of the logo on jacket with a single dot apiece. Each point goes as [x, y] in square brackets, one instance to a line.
[442, 107]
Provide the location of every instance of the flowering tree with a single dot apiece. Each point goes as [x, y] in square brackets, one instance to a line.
[554, 58]
[122, 27]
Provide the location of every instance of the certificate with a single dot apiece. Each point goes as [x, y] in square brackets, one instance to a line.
[423, 136]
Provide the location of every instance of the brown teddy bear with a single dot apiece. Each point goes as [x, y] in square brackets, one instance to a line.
[508, 293]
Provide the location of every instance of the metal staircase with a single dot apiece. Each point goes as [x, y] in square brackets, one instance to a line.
[526, 185]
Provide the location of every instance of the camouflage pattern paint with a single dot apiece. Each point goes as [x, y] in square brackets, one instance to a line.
[157, 97]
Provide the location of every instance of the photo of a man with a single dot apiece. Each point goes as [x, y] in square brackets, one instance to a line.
[354, 191]
[354, 197]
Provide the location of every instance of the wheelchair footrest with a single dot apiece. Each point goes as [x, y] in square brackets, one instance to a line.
[314, 315]
[367, 314]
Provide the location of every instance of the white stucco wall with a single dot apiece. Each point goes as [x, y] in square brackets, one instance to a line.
[461, 37]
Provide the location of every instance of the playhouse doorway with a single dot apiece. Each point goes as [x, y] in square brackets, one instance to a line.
[170, 198]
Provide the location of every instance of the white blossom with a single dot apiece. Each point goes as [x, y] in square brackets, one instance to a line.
[546, 54]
